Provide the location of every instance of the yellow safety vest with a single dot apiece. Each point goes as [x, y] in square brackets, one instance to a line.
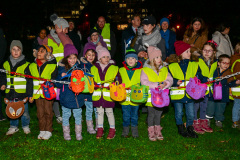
[47, 72]
[19, 82]
[106, 35]
[109, 77]
[58, 51]
[153, 77]
[128, 83]
[235, 90]
[207, 73]
[175, 69]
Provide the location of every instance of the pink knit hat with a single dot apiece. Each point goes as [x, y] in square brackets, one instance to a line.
[102, 51]
[153, 52]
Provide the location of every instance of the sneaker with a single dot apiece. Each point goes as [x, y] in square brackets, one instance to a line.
[219, 124]
[26, 130]
[197, 127]
[111, 133]
[235, 125]
[205, 126]
[99, 133]
[59, 120]
[41, 134]
[12, 131]
[47, 135]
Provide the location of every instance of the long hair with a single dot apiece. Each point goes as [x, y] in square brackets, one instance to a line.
[65, 62]
[152, 63]
[213, 57]
[95, 59]
[200, 31]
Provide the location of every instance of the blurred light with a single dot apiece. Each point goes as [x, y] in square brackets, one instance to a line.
[178, 26]
[86, 15]
[0, 14]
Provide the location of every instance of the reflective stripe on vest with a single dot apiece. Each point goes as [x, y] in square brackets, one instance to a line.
[110, 75]
[235, 90]
[19, 83]
[153, 77]
[128, 83]
[57, 50]
[47, 72]
[175, 69]
[106, 34]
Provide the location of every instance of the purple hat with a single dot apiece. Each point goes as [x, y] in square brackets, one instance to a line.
[69, 49]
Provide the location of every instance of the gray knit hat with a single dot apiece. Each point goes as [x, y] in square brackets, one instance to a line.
[59, 21]
[16, 43]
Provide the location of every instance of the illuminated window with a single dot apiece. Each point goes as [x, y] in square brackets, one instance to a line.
[146, 10]
[77, 12]
[143, 10]
[132, 10]
[128, 16]
[113, 0]
[124, 5]
[116, 0]
[81, 8]
[122, 26]
[128, 10]
[77, 16]
[120, 5]
[73, 12]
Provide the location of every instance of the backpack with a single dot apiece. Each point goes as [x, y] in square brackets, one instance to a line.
[139, 94]
[77, 81]
[48, 90]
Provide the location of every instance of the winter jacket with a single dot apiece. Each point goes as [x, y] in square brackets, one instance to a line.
[130, 71]
[76, 40]
[171, 41]
[101, 101]
[63, 37]
[91, 45]
[67, 97]
[127, 36]
[224, 44]
[145, 80]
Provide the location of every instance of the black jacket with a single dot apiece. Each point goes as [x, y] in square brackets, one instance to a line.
[127, 35]
[76, 40]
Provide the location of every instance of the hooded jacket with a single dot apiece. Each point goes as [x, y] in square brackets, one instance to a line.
[91, 45]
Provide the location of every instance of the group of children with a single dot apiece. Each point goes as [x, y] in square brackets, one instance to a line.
[154, 74]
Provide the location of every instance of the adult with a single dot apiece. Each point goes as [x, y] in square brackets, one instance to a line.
[196, 35]
[220, 36]
[39, 40]
[168, 35]
[94, 40]
[108, 35]
[149, 35]
[73, 35]
[129, 34]
[3, 46]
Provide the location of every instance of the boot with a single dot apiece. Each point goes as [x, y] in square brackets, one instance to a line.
[66, 133]
[96, 127]
[205, 126]
[112, 133]
[99, 133]
[90, 129]
[151, 133]
[197, 127]
[125, 132]
[191, 133]
[182, 131]
[158, 132]
[78, 132]
[135, 131]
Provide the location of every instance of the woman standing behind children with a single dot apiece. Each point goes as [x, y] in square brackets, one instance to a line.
[104, 73]
[130, 75]
[68, 100]
[17, 88]
[182, 70]
[86, 63]
[208, 64]
[44, 66]
[154, 75]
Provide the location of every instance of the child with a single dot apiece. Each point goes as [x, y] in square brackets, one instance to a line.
[86, 63]
[182, 70]
[216, 108]
[68, 100]
[154, 74]
[104, 73]
[208, 64]
[44, 66]
[130, 75]
[17, 88]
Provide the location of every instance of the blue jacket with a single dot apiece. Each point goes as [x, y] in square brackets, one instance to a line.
[171, 41]
[127, 36]
[88, 66]
[183, 65]
[67, 97]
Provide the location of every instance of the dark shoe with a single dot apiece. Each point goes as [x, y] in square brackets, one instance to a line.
[219, 124]
[182, 131]
[191, 133]
[135, 131]
[125, 132]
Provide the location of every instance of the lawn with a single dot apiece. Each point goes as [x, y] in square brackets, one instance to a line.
[221, 144]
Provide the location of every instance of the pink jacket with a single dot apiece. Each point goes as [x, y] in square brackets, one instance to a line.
[145, 81]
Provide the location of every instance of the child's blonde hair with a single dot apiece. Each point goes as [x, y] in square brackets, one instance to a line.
[237, 48]
[152, 63]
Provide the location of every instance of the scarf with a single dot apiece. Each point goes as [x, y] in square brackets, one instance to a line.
[103, 66]
[55, 36]
[40, 41]
[15, 61]
[165, 35]
[97, 41]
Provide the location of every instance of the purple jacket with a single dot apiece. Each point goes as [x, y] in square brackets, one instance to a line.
[101, 101]
[91, 45]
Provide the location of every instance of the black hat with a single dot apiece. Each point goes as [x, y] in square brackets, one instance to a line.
[92, 31]
[149, 20]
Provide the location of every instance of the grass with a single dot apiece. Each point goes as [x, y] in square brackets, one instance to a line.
[221, 144]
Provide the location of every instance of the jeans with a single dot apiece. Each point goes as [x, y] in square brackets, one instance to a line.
[216, 110]
[66, 114]
[130, 114]
[236, 110]
[202, 104]
[89, 110]
[189, 107]
[25, 118]
[110, 115]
